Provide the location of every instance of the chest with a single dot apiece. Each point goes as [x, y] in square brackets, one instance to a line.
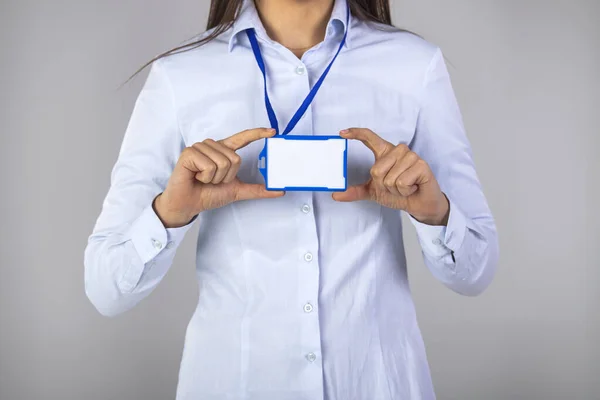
[359, 91]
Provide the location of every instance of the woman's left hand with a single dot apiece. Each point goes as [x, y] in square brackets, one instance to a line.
[400, 179]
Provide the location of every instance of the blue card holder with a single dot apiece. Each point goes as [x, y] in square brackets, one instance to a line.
[305, 163]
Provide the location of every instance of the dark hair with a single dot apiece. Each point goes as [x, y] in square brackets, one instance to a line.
[223, 14]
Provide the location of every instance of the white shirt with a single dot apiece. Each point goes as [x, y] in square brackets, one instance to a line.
[301, 297]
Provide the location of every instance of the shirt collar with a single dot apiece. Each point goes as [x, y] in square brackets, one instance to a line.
[248, 18]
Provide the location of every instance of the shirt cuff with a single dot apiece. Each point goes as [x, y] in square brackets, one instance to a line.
[150, 237]
[439, 241]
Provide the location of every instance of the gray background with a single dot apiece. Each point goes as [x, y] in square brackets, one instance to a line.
[526, 75]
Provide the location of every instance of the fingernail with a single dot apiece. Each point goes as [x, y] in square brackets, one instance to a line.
[344, 131]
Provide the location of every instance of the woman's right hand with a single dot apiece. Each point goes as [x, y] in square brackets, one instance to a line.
[205, 178]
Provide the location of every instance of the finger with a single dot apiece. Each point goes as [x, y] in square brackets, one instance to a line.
[378, 146]
[235, 161]
[203, 167]
[246, 137]
[380, 170]
[218, 158]
[252, 191]
[407, 183]
[405, 160]
[407, 190]
[353, 193]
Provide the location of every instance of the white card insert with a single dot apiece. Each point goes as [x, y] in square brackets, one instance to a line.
[304, 163]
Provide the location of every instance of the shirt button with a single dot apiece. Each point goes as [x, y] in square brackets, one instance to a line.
[437, 241]
[308, 308]
[157, 244]
[308, 257]
[311, 357]
[306, 209]
[300, 70]
[170, 245]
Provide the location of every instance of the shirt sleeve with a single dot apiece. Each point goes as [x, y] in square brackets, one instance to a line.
[464, 254]
[130, 250]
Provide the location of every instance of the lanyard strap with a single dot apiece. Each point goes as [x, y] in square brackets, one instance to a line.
[300, 112]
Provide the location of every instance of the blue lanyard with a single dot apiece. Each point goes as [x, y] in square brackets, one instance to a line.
[261, 64]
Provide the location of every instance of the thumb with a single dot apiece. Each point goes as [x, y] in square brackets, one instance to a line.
[353, 193]
[248, 191]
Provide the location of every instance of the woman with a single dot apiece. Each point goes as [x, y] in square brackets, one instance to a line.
[303, 295]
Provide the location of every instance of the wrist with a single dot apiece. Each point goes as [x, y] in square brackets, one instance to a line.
[441, 217]
[169, 216]
[444, 215]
